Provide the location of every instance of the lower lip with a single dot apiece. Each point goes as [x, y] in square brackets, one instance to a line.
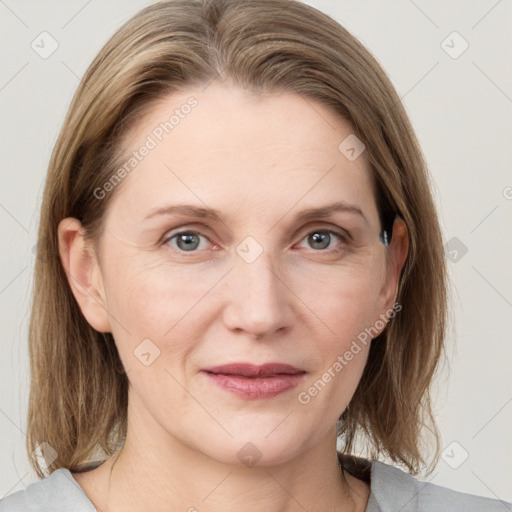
[256, 387]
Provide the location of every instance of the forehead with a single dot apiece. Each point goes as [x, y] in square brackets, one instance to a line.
[230, 146]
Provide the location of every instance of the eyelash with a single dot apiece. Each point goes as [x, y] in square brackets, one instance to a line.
[344, 239]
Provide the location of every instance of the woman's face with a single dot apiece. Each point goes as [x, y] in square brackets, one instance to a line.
[252, 284]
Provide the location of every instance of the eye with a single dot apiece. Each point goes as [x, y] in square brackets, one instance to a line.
[320, 239]
[186, 241]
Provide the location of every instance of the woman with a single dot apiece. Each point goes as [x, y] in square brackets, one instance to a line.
[239, 264]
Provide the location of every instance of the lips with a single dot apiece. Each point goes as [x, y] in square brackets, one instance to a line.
[249, 381]
[255, 371]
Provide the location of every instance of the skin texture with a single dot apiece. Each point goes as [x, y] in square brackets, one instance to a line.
[259, 160]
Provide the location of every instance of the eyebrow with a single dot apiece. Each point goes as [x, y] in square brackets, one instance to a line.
[216, 215]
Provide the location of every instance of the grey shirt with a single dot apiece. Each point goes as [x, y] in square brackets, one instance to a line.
[392, 490]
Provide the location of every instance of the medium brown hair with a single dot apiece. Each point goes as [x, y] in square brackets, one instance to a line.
[79, 390]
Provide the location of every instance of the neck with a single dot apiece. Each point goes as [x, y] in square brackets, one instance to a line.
[160, 473]
[195, 484]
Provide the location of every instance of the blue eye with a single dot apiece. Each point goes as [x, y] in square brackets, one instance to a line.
[322, 238]
[186, 241]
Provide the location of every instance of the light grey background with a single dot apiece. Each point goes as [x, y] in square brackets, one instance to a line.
[461, 110]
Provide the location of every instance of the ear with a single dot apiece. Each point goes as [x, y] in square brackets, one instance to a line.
[395, 259]
[81, 265]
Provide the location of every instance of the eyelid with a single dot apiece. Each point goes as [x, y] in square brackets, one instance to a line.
[324, 226]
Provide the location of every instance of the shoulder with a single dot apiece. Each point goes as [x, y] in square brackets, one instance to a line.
[394, 489]
[57, 493]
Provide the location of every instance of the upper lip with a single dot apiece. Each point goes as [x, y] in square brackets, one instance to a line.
[252, 370]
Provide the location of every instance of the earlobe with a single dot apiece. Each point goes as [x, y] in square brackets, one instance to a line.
[84, 274]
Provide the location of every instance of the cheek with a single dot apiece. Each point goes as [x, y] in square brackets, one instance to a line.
[345, 298]
[154, 296]
[161, 303]
[342, 343]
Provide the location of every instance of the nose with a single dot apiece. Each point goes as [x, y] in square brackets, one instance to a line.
[258, 298]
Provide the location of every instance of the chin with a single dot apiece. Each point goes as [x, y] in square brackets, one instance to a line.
[258, 445]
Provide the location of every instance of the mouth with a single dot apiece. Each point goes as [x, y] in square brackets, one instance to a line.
[255, 371]
[255, 381]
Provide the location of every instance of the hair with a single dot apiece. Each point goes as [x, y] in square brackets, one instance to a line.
[79, 390]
